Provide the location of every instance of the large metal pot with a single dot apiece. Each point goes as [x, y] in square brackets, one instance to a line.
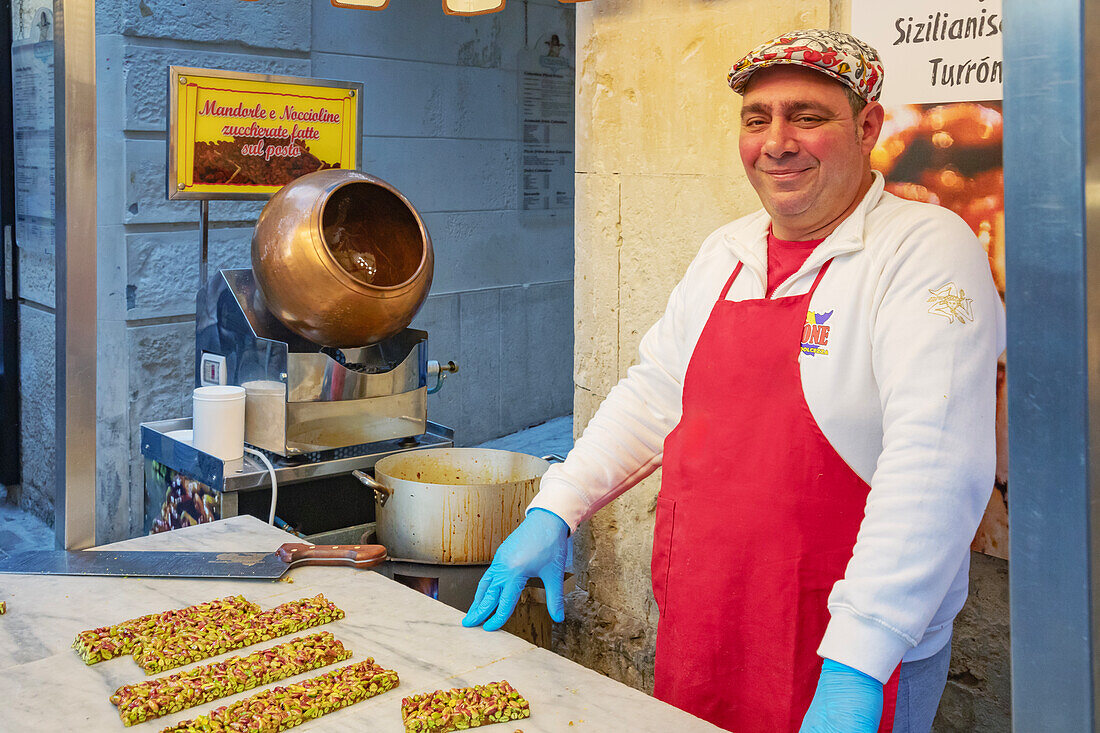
[342, 258]
[451, 505]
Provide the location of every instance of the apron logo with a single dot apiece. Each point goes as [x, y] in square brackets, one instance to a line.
[951, 303]
[815, 334]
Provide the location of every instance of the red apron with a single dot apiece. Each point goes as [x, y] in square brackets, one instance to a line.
[756, 520]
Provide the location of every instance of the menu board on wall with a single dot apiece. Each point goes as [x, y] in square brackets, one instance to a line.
[546, 78]
[234, 135]
[942, 142]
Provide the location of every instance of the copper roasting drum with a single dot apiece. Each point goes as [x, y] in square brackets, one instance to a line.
[342, 258]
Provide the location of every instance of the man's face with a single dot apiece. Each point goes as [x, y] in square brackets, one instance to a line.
[804, 151]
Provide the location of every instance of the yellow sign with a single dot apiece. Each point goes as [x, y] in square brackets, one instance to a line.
[234, 135]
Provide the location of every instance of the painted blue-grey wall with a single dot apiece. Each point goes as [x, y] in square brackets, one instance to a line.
[440, 123]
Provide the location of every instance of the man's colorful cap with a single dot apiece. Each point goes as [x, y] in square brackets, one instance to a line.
[839, 55]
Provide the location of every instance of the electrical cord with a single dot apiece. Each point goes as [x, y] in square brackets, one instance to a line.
[274, 484]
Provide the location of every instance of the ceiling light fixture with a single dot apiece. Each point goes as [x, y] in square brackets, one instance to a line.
[450, 7]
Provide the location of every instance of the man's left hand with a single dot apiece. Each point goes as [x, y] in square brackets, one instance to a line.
[846, 701]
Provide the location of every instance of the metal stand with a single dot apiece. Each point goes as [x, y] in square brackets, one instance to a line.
[204, 240]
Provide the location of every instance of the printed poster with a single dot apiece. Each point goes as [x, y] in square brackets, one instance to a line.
[942, 144]
[186, 501]
[546, 83]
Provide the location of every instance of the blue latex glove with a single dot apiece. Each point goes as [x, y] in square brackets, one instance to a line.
[537, 547]
[846, 701]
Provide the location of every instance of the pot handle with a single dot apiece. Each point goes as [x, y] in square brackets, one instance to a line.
[381, 493]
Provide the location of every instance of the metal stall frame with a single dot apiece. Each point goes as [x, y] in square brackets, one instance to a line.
[10, 467]
[1052, 210]
[76, 283]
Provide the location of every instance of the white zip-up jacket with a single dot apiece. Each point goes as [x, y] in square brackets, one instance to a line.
[902, 384]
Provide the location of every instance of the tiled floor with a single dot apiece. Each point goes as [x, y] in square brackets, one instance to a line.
[21, 531]
[552, 437]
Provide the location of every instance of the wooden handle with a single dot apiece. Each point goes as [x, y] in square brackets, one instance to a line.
[359, 556]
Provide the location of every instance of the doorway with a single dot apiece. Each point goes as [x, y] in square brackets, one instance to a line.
[9, 325]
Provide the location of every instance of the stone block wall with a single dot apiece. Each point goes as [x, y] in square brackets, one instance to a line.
[440, 123]
[657, 170]
[148, 246]
[36, 395]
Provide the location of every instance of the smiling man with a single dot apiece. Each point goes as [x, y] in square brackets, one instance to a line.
[806, 149]
[825, 428]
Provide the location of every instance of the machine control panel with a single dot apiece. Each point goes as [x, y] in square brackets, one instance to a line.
[211, 369]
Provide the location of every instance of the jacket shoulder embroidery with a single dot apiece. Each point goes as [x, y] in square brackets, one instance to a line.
[951, 302]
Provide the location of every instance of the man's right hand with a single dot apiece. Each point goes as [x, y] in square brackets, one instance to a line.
[537, 547]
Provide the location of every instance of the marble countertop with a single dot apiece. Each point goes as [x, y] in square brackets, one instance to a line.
[46, 687]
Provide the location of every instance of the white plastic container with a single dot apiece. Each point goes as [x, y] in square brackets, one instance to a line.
[265, 414]
[219, 421]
